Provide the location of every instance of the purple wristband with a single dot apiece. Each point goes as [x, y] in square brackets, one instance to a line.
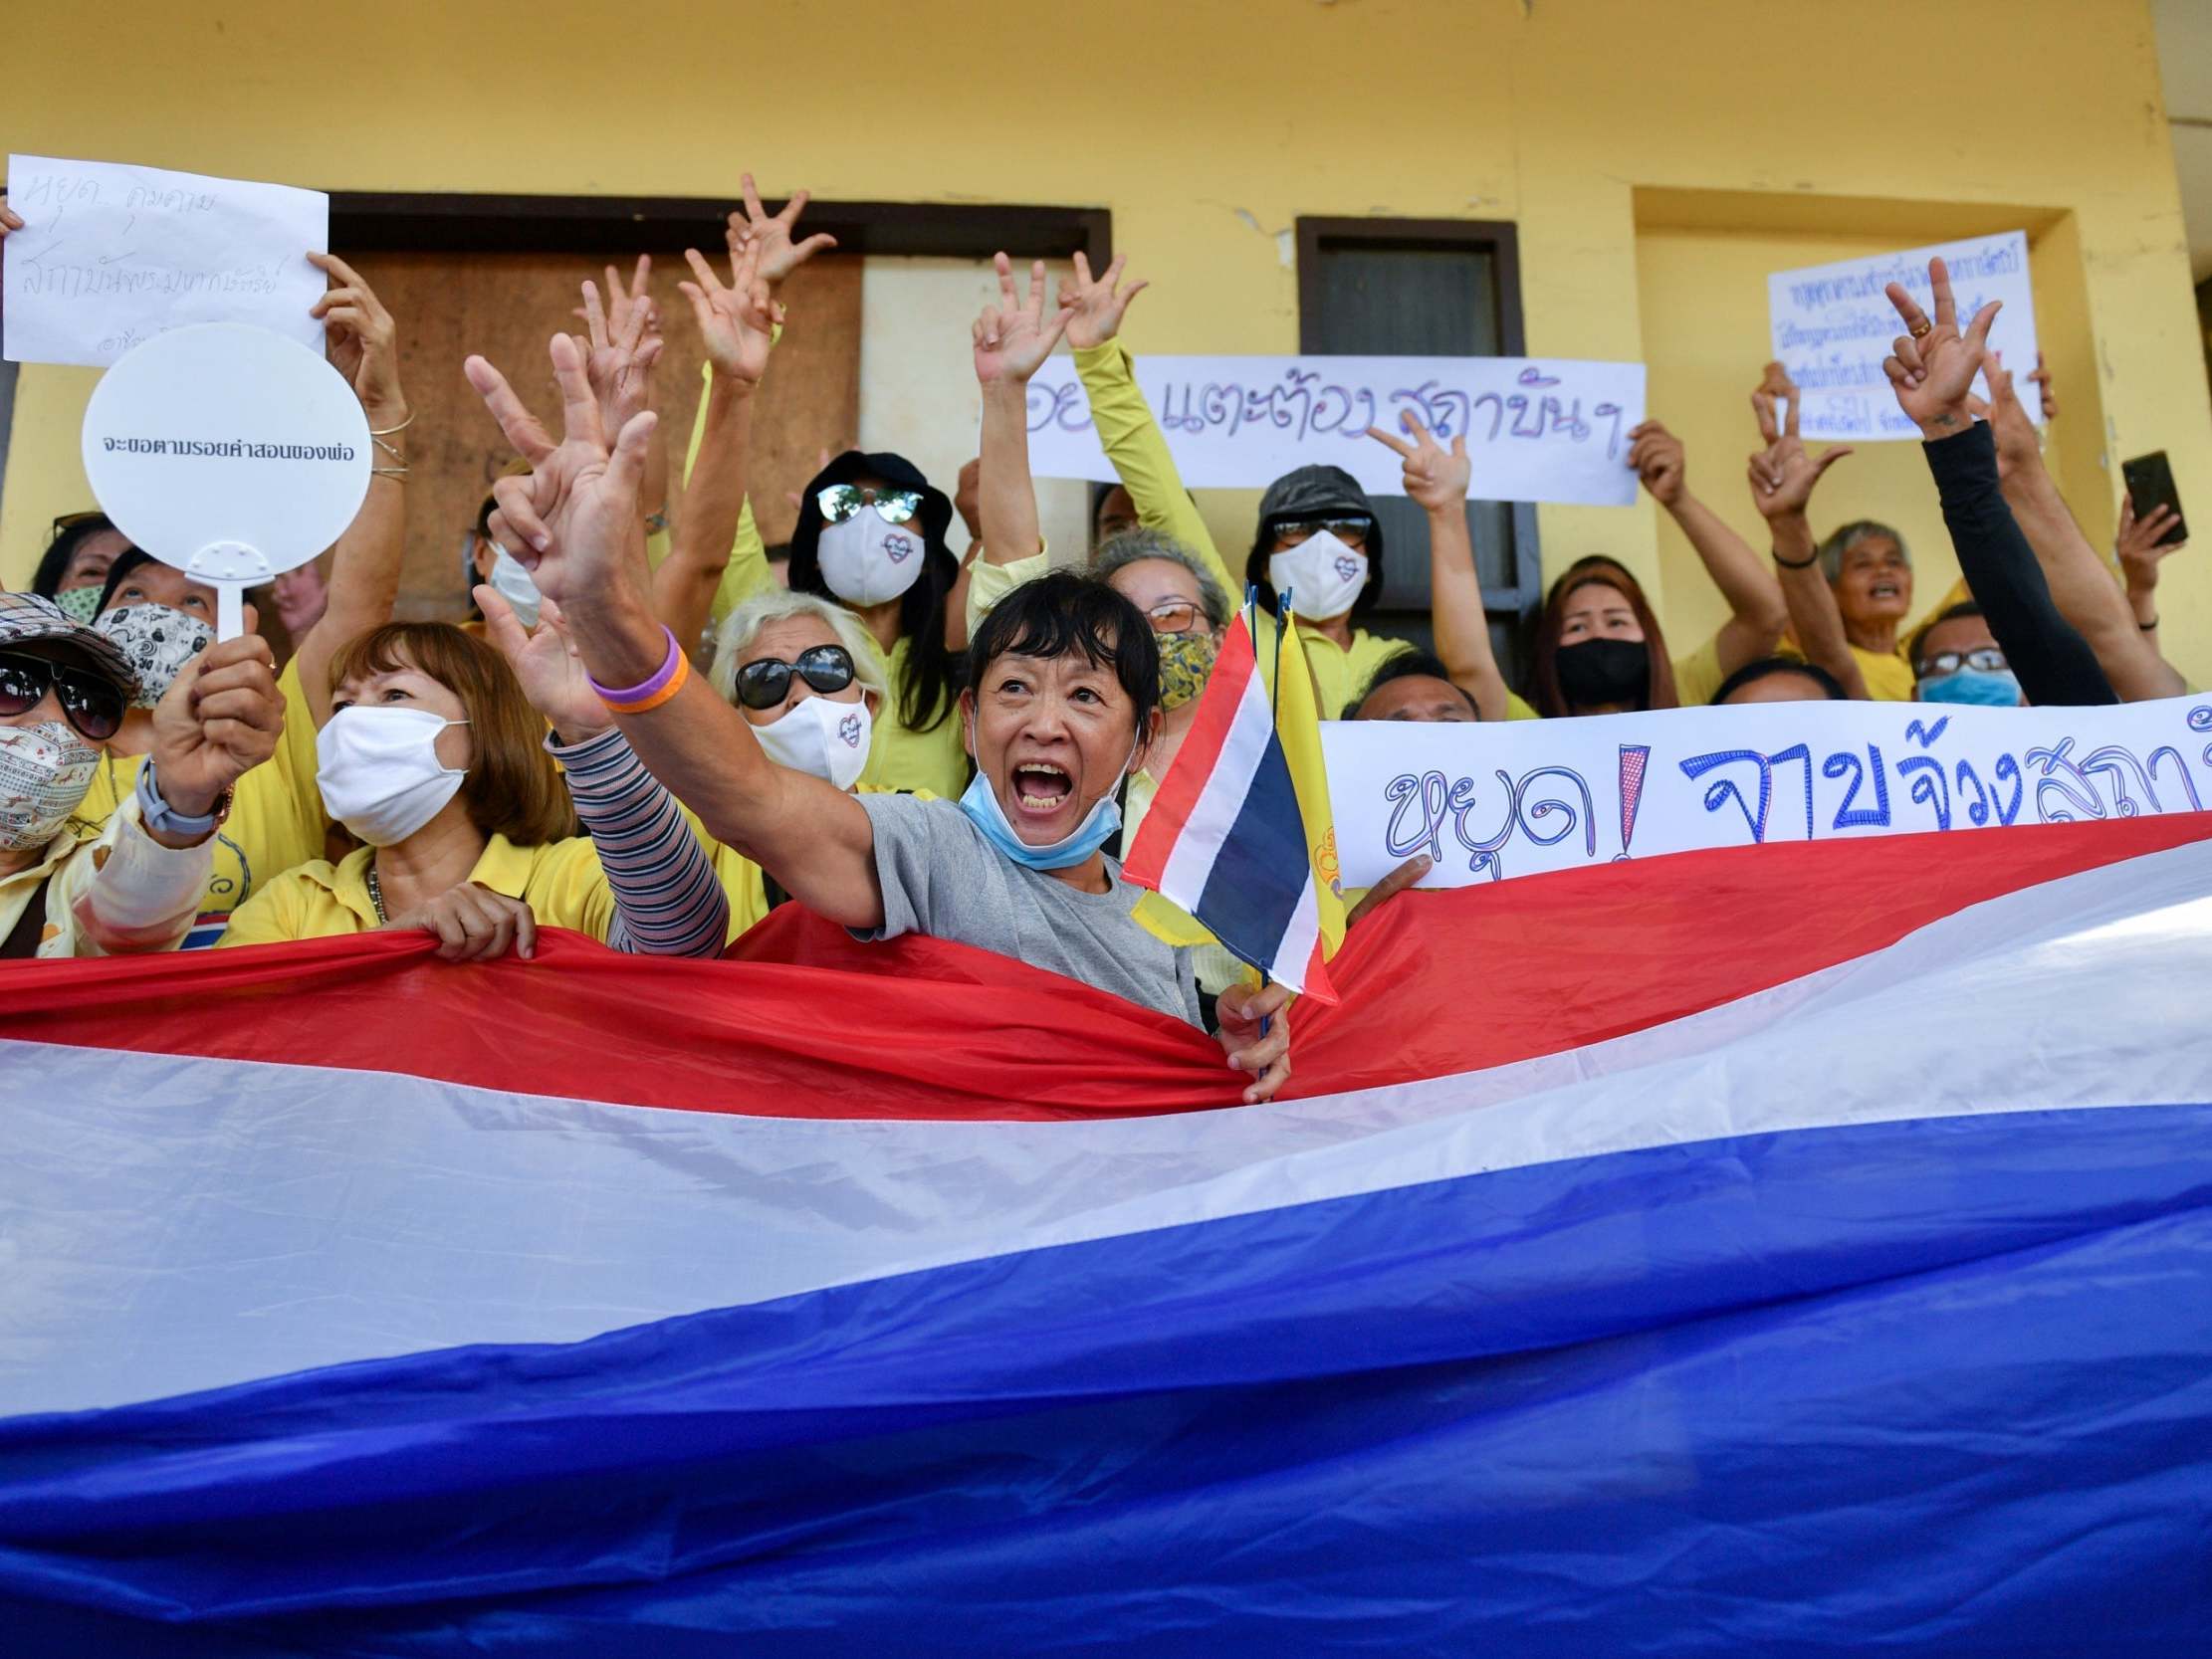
[644, 689]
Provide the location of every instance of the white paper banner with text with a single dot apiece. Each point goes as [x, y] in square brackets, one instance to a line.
[1834, 324]
[1538, 429]
[110, 256]
[1525, 797]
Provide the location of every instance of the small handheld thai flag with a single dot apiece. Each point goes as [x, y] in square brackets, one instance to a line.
[1240, 833]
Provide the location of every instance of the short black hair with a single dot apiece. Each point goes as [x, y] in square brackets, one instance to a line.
[1765, 668]
[1957, 613]
[1413, 662]
[1063, 611]
[125, 561]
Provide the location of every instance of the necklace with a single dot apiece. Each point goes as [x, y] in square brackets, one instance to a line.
[376, 891]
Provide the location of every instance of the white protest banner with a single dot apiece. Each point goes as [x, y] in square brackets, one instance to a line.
[1525, 797]
[110, 255]
[228, 452]
[1538, 429]
[1832, 325]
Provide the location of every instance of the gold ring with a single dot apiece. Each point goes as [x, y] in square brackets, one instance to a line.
[1921, 330]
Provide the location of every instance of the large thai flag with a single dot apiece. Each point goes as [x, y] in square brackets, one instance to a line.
[1796, 1250]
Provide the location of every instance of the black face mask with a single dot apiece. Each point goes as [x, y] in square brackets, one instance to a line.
[1595, 672]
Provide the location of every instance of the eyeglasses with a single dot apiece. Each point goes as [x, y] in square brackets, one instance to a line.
[93, 705]
[767, 680]
[1295, 530]
[1174, 616]
[840, 501]
[1988, 658]
[65, 521]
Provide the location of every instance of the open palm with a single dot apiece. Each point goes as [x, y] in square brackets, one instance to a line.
[1095, 309]
[1014, 337]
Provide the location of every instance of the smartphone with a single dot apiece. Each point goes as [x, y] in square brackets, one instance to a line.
[2149, 487]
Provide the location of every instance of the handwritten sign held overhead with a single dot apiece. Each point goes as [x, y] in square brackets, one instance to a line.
[1526, 797]
[1538, 429]
[110, 256]
[1832, 325]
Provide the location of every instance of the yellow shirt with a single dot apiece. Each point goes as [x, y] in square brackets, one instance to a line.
[909, 762]
[276, 816]
[560, 882]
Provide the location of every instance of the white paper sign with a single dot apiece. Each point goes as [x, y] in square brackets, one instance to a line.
[1524, 797]
[1834, 324]
[228, 452]
[110, 256]
[1538, 429]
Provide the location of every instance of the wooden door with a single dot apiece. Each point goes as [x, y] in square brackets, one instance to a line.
[505, 307]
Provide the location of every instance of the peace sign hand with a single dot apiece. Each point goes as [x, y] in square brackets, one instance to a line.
[573, 520]
[1013, 340]
[1096, 308]
[624, 347]
[1783, 475]
[737, 323]
[1435, 479]
[770, 236]
[1932, 365]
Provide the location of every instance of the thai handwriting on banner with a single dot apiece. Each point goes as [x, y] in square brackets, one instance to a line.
[1912, 274]
[1306, 404]
[1796, 790]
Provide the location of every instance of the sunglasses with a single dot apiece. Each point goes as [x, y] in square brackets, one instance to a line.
[767, 680]
[1987, 658]
[1344, 529]
[65, 521]
[840, 501]
[93, 705]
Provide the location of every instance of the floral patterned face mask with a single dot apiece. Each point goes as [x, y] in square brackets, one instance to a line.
[79, 604]
[45, 770]
[1186, 660]
[158, 640]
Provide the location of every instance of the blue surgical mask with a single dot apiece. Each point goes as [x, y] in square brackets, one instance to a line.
[981, 803]
[1990, 688]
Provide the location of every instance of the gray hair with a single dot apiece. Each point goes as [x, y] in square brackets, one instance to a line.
[1840, 542]
[779, 605]
[1137, 546]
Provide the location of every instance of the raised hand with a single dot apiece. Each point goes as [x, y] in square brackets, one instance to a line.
[1013, 338]
[361, 341]
[2018, 451]
[768, 236]
[473, 924]
[1256, 1035]
[1931, 365]
[1783, 475]
[1096, 308]
[1659, 463]
[1437, 479]
[220, 716]
[2139, 547]
[624, 344]
[737, 323]
[573, 521]
[548, 665]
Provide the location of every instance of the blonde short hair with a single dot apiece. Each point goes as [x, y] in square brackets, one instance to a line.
[743, 626]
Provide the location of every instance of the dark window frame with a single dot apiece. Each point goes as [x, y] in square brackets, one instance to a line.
[437, 221]
[1500, 238]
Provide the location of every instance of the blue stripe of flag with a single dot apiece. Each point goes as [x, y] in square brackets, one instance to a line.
[1261, 870]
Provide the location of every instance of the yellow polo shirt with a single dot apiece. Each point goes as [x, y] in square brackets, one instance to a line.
[561, 883]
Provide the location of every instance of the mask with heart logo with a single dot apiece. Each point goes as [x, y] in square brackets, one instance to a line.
[1322, 575]
[821, 737]
[867, 561]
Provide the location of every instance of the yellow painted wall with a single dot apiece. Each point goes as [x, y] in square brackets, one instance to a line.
[1208, 129]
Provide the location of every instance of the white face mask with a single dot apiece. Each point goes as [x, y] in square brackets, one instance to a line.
[379, 771]
[159, 642]
[45, 770]
[866, 562]
[1322, 575]
[821, 737]
[512, 582]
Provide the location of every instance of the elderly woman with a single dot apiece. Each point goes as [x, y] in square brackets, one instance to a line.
[70, 887]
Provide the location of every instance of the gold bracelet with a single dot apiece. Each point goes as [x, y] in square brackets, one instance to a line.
[387, 472]
[389, 430]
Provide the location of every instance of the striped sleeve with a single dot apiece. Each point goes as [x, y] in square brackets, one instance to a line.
[667, 900]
